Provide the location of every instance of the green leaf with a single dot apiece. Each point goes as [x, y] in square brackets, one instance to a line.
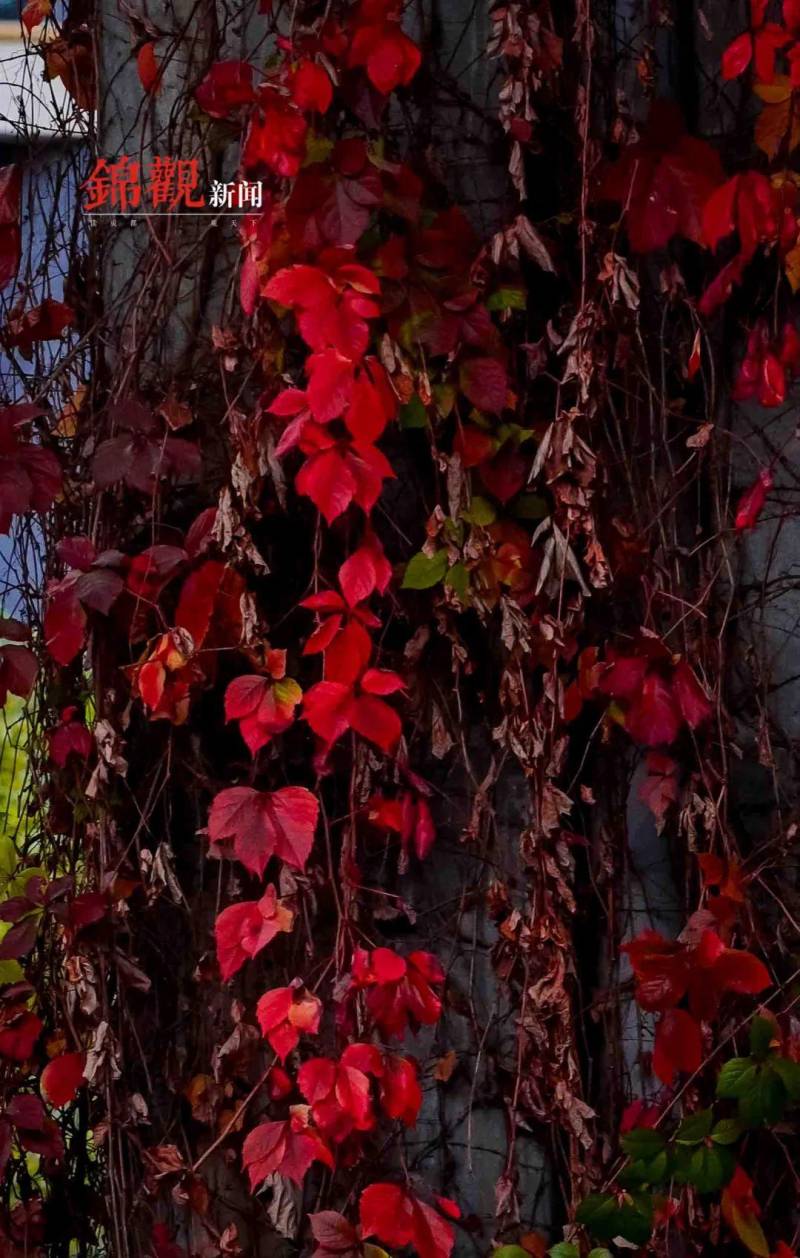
[599, 1253]
[562, 1250]
[413, 413]
[736, 1078]
[457, 580]
[640, 1172]
[710, 1168]
[507, 299]
[765, 1100]
[643, 1143]
[424, 571]
[762, 1034]
[606, 1219]
[727, 1131]
[480, 511]
[530, 507]
[512, 1251]
[695, 1128]
[789, 1073]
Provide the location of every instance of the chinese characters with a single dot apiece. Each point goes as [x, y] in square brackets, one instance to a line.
[162, 186]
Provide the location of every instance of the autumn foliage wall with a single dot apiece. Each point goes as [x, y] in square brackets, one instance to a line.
[427, 522]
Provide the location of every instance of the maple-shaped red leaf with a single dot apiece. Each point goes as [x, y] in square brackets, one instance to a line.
[10, 232]
[699, 964]
[263, 707]
[678, 1045]
[396, 1216]
[284, 1148]
[663, 181]
[334, 1235]
[262, 824]
[276, 137]
[399, 990]
[30, 475]
[45, 322]
[227, 86]
[341, 637]
[752, 501]
[341, 472]
[659, 789]
[243, 929]
[761, 46]
[283, 1013]
[390, 58]
[141, 455]
[62, 1077]
[331, 708]
[332, 306]
[339, 1096]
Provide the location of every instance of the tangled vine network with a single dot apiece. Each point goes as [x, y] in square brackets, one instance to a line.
[398, 805]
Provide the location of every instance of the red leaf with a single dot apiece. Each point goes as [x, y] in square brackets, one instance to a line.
[263, 824]
[375, 720]
[64, 621]
[381, 681]
[311, 87]
[397, 1217]
[348, 652]
[485, 382]
[400, 994]
[678, 1046]
[18, 669]
[390, 57]
[334, 1235]
[664, 181]
[149, 69]
[690, 696]
[327, 480]
[276, 138]
[653, 718]
[285, 1148]
[19, 1035]
[339, 1095]
[45, 322]
[227, 85]
[262, 707]
[62, 1077]
[737, 56]
[752, 501]
[10, 235]
[365, 571]
[243, 929]
[283, 1013]
[30, 475]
